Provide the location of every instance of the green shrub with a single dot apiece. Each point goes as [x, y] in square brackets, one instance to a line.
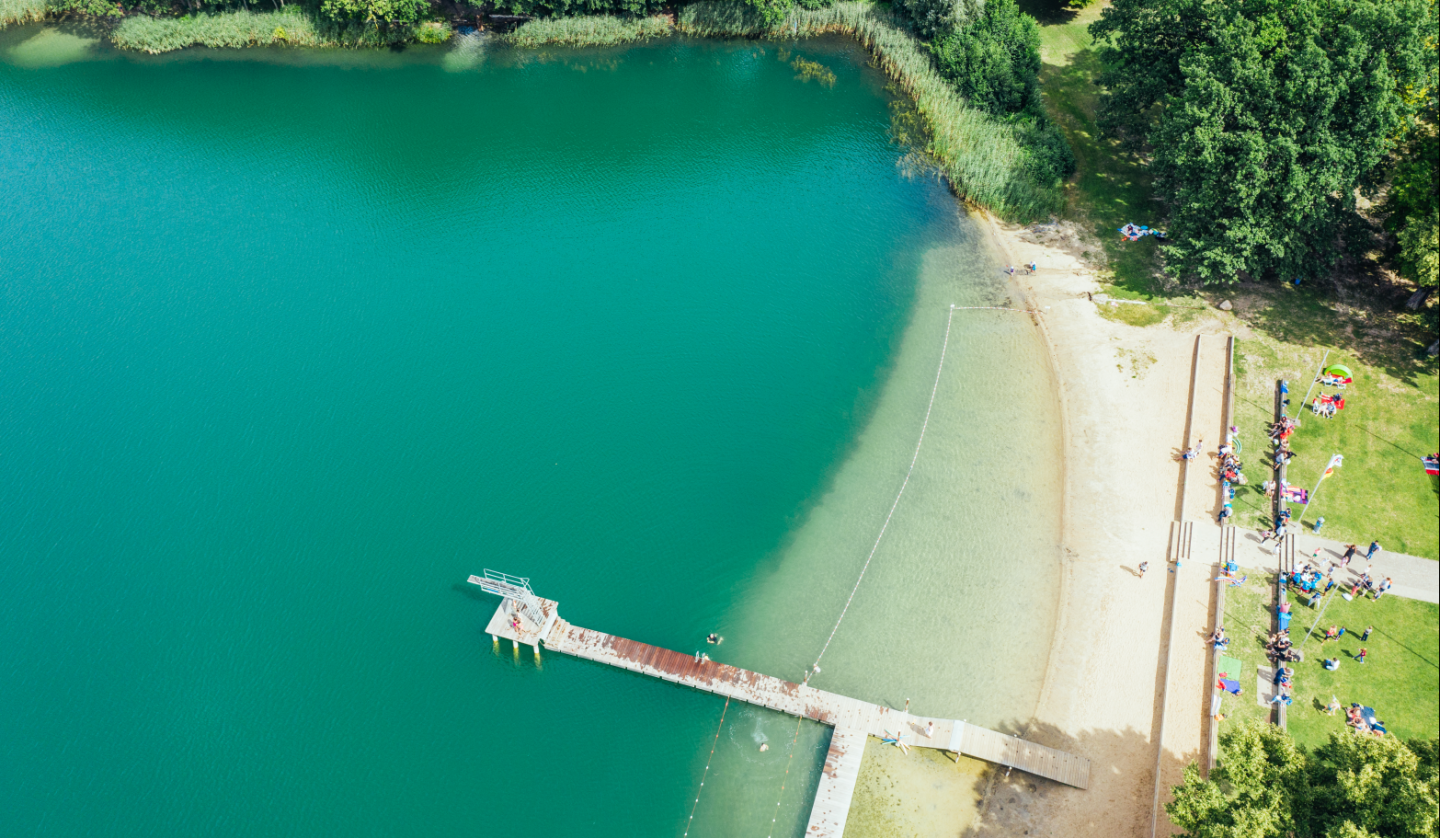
[594, 30]
[576, 8]
[433, 32]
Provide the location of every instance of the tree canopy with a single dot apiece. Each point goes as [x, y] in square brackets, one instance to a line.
[1352, 787]
[1263, 118]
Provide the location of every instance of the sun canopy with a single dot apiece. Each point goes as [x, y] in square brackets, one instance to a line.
[1338, 370]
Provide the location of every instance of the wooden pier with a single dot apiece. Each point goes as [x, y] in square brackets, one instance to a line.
[538, 622]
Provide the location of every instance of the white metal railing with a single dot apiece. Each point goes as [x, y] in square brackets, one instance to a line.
[515, 588]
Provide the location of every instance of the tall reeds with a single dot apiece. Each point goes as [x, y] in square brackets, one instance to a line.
[991, 161]
[22, 11]
[589, 30]
[225, 29]
[287, 27]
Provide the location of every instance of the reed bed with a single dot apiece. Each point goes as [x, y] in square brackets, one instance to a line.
[22, 11]
[225, 29]
[992, 162]
[589, 31]
[287, 27]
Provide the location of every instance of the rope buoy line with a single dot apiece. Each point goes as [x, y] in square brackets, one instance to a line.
[786, 778]
[996, 308]
[814, 668]
[708, 760]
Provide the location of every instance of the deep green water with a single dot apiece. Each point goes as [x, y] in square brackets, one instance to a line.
[290, 347]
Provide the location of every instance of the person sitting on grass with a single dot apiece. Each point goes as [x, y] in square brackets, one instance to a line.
[1332, 664]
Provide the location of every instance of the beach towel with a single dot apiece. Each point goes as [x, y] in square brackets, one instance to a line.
[1284, 620]
[1229, 667]
[1230, 686]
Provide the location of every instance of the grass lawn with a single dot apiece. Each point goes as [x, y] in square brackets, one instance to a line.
[1392, 415]
[1247, 621]
[1400, 678]
[1389, 422]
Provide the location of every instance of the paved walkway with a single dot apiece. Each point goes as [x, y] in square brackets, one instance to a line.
[1412, 576]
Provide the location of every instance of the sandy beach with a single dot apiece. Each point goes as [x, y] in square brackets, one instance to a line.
[1125, 395]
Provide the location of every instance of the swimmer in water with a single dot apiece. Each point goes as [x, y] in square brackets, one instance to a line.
[714, 638]
[764, 746]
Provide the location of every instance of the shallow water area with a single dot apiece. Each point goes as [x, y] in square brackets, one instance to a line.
[47, 46]
[296, 340]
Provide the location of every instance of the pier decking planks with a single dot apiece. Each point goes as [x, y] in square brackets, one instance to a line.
[853, 720]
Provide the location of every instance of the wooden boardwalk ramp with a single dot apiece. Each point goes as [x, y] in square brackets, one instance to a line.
[853, 720]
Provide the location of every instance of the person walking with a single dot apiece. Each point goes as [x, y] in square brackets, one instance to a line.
[1382, 588]
[1370, 554]
[1144, 566]
[1366, 636]
[1360, 658]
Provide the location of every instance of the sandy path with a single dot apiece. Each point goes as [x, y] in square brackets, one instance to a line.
[1125, 393]
[1202, 500]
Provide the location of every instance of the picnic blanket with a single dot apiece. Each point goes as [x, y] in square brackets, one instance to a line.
[1229, 685]
[1229, 667]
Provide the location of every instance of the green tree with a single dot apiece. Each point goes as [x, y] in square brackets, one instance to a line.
[994, 60]
[1368, 786]
[381, 11]
[1414, 200]
[1257, 790]
[1352, 787]
[1263, 118]
[936, 17]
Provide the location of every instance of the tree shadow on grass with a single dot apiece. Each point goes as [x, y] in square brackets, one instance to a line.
[1369, 323]
[1049, 12]
[1112, 186]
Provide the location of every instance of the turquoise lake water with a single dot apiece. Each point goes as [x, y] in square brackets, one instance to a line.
[289, 347]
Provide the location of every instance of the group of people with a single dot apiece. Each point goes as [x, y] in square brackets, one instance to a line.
[1308, 578]
[1362, 721]
[1326, 406]
[1280, 648]
[1280, 431]
[1231, 472]
[1133, 232]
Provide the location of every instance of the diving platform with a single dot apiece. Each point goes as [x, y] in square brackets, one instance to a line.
[538, 621]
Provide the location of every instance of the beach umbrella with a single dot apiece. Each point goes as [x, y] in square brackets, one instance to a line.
[1339, 370]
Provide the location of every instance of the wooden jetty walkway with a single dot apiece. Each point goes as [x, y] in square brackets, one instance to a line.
[525, 618]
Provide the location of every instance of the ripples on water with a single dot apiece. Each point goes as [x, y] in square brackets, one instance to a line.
[293, 345]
